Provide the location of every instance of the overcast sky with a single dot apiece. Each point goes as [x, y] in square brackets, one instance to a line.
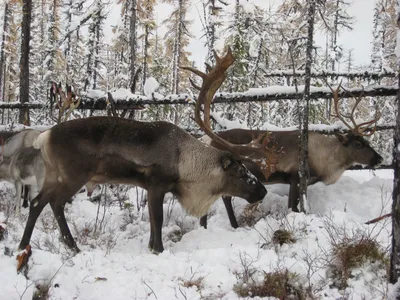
[359, 39]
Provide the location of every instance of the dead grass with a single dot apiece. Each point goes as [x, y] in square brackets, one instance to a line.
[283, 236]
[193, 282]
[41, 292]
[350, 254]
[250, 216]
[279, 284]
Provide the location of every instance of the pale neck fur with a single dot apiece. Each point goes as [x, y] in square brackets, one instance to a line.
[329, 164]
[194, 166]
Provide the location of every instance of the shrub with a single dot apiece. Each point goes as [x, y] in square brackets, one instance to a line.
[279, 284]
[350, 254]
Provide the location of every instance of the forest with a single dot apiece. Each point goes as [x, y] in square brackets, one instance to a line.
[62, 60]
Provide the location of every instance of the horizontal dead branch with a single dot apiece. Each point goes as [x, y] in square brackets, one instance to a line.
[254, 95]
[378, 219]
[323, 74]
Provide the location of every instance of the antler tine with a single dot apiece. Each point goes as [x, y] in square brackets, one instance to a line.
[351, 116]
[363, 127]
[194, 84]
[195, 71]
[336, 105]
[217, 58]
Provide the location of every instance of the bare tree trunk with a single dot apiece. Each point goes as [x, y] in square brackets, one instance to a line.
[24, 62]
[304, 107]
[395, 253]
[334, 35]
[146, 54]
[211, 32]
[96, 57]
[132, 43]
[178, 48]
[2, 56]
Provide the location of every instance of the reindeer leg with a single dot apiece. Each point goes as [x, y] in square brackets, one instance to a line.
[230, 211]
[18, 191]
[57, 204]
[155, 203]
[203, 221]
[294, 193]
[27, 194]
[36, 207]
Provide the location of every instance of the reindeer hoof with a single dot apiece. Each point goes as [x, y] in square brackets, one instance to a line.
[23, 257]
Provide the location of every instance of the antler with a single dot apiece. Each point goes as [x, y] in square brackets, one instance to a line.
[74, 104]
[68, 101]
[257, 150]
[362, 129]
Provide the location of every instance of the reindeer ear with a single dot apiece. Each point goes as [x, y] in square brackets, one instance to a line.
[226, 162]
[343, 138]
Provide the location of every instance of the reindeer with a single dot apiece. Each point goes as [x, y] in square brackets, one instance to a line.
[329, 156]
[157, 156]
[10, 146]
[24, 167]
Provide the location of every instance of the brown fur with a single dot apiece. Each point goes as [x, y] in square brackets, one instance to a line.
[157, 156]
[329, 156]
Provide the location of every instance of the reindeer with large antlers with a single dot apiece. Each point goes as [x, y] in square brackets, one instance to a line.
[329, 156]
[157, 156]
[66, 100]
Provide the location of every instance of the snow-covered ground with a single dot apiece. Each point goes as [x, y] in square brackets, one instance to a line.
[204, 263]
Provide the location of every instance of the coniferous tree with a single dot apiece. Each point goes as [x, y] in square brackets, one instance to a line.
[212, 21]
[120, 57]
[11, 68]
[177, 39]
[94, 45]
[337, 17]
[147, 22]
[384, 36]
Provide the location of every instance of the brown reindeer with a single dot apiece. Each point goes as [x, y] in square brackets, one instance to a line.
[329, 155]
[157, 156]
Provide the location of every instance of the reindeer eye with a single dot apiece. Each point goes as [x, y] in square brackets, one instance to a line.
[358, 145]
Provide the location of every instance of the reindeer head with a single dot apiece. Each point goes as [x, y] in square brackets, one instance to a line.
[359, 149]
[246, 184]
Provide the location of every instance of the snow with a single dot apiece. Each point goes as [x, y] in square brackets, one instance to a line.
[118, 265]
[248, 7]
[150, 86]
[95, 94]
